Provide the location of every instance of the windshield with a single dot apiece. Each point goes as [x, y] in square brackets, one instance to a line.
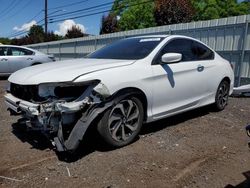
[132, 48]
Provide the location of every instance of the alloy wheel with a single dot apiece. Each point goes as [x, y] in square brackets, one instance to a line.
[223, 94]
[124, 120]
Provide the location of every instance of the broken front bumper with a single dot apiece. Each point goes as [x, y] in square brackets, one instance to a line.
[50, 118]
[18, 105]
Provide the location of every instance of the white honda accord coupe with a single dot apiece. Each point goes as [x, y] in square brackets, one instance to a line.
[119, 87]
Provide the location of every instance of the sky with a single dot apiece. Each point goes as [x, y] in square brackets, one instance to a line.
[19, 15]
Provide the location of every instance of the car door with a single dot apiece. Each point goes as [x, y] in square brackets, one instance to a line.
[178, 86]
[4, 63]
[19, 58]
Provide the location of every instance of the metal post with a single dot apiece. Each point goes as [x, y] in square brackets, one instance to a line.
[242, 53]
[95, 44]
[46, 18]
[75, 44]
[60, 53]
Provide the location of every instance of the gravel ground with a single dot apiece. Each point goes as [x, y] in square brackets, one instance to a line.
[200, 148]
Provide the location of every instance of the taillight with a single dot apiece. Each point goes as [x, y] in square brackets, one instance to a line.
[52, 58]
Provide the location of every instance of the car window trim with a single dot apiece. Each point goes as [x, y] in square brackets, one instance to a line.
[156, 56]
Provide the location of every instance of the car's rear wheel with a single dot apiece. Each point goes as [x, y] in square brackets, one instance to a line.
[222, 94]
[121, 124]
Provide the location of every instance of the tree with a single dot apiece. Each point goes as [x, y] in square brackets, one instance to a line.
[134, 14]
[214, 9]
[109, 24]
[51, 36]
[173, 11]
[5, 41]
[36, 34]
[74, 32]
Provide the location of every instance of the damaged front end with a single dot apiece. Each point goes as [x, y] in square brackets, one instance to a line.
[62, 111]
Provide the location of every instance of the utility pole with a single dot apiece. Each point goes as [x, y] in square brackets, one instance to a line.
[46, 18]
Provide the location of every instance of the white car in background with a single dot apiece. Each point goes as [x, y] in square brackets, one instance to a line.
[13, 58]
[118, 87]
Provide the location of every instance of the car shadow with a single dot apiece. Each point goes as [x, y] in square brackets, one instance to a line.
[92, 141]
[244, 184]
[175, 120]
[34, 138]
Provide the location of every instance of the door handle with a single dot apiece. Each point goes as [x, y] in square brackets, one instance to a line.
[29, 58]
[4, 59]
[200, 68]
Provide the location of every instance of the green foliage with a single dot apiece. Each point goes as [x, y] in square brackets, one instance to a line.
[36, 34]
[164, 12]
[74, 32]
[134, 14]
[109, 24]
[5, 41]
[53, 37]
[214, 9]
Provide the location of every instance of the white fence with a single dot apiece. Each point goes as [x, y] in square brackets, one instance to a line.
[230, 37]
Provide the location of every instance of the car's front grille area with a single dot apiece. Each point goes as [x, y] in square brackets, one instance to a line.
[25, 92]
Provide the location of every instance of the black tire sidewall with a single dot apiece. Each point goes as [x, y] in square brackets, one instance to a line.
[218, 107]
[103, 129]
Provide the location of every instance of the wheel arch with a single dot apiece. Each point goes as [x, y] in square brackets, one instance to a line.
[136, 92]
[226, 79]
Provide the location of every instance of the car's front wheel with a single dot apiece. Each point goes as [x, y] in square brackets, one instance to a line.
[121, 124]
[222, 94]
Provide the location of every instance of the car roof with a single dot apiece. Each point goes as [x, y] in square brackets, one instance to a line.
[7, 45]
[151, 36]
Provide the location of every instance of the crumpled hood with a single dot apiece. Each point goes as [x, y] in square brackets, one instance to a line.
[63, 71]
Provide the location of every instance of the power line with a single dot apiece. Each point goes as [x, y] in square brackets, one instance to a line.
[10, 7]
[81, 16]
[20, 33]
[80, 13]
[89, 8]
[28, 22]
[100, 12]
[36, 15]
[24, 30]
[68, 5]
[82, 10]
[17, 12]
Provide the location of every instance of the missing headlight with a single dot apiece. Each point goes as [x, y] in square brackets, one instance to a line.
[64, 91]
[69, 91]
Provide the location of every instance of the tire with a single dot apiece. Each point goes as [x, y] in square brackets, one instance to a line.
[121, 124]
[222, 94]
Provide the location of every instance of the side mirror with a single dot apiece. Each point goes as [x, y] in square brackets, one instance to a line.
[171, 58]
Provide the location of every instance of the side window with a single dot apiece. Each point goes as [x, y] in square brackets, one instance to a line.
[190, 50]
[182, 46]
[202, 52]
[20, 52]
[3, 51]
